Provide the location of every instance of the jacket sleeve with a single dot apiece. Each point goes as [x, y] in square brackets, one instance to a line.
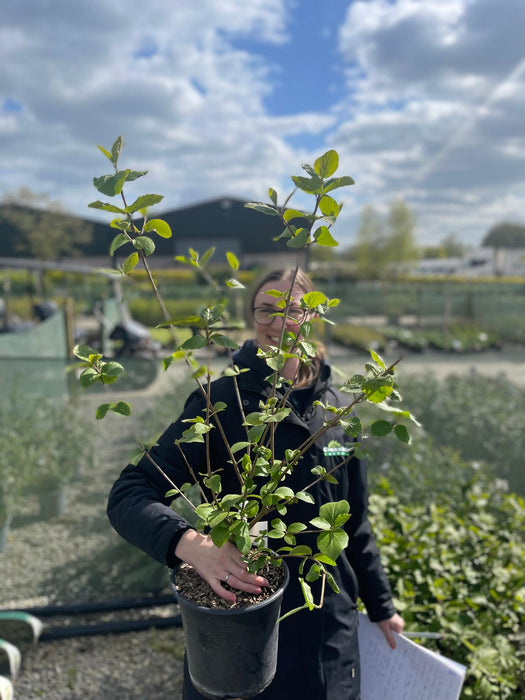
[137, 506]
[362, 551]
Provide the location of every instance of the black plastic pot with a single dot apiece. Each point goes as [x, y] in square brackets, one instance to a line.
[232, 653]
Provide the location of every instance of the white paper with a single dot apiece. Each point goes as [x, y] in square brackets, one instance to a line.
[409, 672]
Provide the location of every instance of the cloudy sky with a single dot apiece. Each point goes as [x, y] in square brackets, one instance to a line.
[423, 99]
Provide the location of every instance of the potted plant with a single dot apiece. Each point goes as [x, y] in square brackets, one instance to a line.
[250, 512]
[13, 463]
[56, 454]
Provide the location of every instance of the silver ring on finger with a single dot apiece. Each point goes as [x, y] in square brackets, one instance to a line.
[226, 578]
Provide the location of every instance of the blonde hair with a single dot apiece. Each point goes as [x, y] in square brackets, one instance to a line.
[307, 372]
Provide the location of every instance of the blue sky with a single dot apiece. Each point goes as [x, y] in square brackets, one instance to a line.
[423, 99]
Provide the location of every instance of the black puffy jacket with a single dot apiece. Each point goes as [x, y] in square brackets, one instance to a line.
[318, 655]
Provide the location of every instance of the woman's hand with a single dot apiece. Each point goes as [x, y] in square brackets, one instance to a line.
[218, 564]
[393, 624]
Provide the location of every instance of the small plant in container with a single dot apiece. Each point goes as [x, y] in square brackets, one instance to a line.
[269, 477]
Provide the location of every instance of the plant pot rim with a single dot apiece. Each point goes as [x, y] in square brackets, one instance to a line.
[232, 611]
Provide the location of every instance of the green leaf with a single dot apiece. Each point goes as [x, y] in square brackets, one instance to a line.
[377, 358]
[323, 237]
[331, 511]
[123, 408]
[273, 195]
[105, 152]
[300, 240]
[253, 419]
[377, 389]
[312, 185]
[352, 426]
[135, 174]
[262, 208]
[302, 550]
[194, 343]
[160, 227]
[314, 299]
[129, 263]
[102, 410]
[207, 255]
[337, 182]
[115, 150]
[112, 369]
[88, 377]
[219, 534]
[234, 284]
[145, 244]
[217, 518]
[324, 559]
[332, 582]
[276, 363]
[239, 446]
[402, 434]
[307, 593]
[278, 524]
[232, 261]
[243, 542]
[284, 492]
[403, 413]
[332, 543]
[255, 432]
[119, 240]
[213, 483]
[107, 207]
[327, 164]
[291, 214]
[329, 206]
[309, 349]
[313, 573]
[111, 185]
[85, 352]
[380, 428]
[305, 496]
[146, 200]
[320, 523]
[224, 341]
[121, 224]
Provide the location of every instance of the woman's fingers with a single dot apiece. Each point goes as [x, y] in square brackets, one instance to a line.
[218, 564]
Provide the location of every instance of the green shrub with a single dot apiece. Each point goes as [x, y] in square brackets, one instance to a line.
[147, 310]
[46, 441]
[483, 419]
[358, 337]
[458, 565]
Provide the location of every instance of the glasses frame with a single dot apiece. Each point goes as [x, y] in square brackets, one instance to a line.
[271, 314]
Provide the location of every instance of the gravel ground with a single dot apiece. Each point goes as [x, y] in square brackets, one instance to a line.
[78, 557]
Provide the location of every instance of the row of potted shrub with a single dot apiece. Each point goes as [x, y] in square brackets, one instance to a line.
[45, 445]
[456, 339]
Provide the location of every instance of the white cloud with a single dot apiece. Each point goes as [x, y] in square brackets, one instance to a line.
[436, 90]
[430, 105]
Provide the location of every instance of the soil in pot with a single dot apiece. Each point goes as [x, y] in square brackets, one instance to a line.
[231, 648]
[195, 589]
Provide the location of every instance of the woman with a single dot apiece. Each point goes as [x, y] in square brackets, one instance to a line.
[318, 653]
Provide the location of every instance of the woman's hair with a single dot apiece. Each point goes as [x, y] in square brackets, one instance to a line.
[308, 372]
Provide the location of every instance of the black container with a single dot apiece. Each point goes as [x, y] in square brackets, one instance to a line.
[232, 653]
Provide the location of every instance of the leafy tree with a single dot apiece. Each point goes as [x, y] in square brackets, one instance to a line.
[449, 247]
[505, 235]
[453, 247]
[385, 244]
[400, 243]
[43, 229]
[370, 246]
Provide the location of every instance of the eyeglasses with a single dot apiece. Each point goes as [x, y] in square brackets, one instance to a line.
[264, 315]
